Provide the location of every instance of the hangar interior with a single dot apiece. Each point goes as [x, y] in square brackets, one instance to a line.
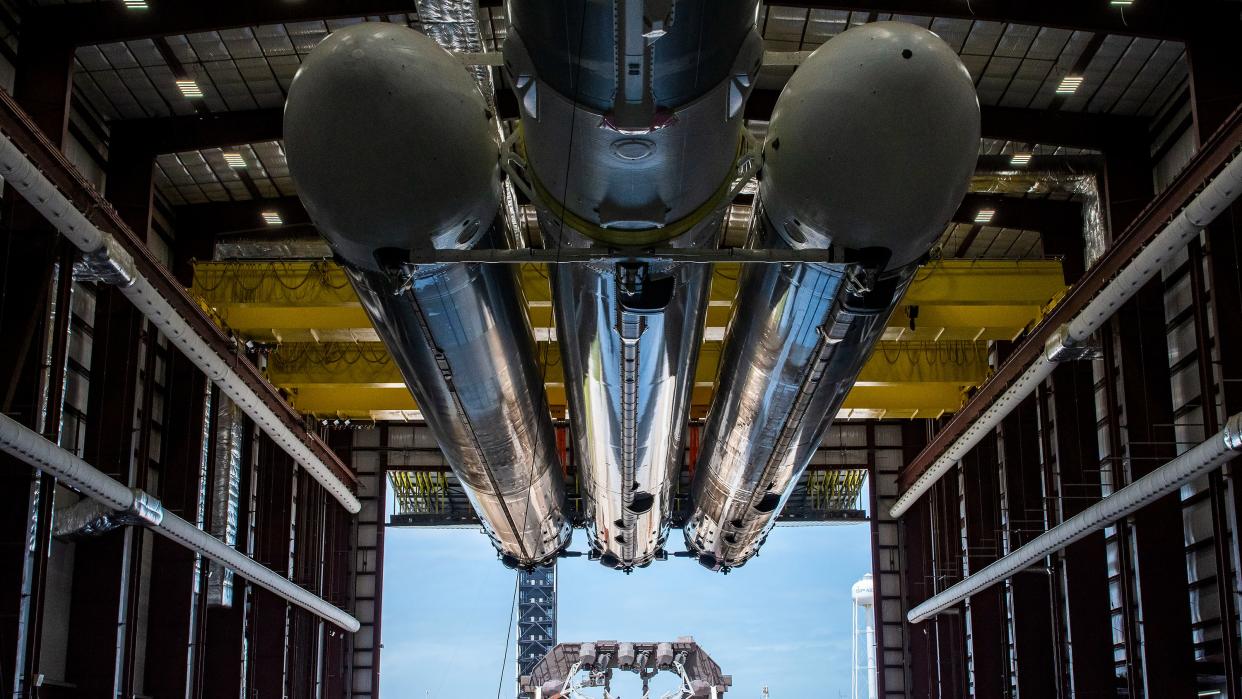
[205, 436]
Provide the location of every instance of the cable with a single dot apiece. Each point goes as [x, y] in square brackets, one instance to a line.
[504, 656]
[543, 360]
[573, 123]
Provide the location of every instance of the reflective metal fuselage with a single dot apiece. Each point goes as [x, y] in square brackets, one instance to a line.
[790, 358]
[377, 189]
[631, 126]
[461, 339]
[869, 150]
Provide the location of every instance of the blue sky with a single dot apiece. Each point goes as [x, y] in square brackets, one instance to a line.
[782, 620]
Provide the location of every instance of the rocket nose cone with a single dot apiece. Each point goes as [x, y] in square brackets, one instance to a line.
[389, 143]
[872, 143]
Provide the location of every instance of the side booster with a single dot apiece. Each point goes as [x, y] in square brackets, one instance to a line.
[389, 141]
[870, 149]
[631, 130]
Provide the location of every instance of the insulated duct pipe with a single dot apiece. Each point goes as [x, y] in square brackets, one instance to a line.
[1201, 211]
[24, 443]
[1198, 461]
[109, 261]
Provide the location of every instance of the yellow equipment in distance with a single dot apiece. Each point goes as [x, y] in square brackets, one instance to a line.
[330, 363]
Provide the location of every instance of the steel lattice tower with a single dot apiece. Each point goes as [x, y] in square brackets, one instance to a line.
[536, 624]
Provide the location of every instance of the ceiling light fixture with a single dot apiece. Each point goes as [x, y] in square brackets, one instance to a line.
[1121, 3]
[189, 88]
[984, 216]
[135, 4]
[1020, 159]
[235, 160]
[1069, 85]
[272, 218]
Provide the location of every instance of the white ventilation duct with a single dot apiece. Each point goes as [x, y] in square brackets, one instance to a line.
[1201, 211]
[24, 443]
[1200, 460]
[111, 263]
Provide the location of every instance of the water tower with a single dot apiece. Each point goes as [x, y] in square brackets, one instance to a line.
[863, 621]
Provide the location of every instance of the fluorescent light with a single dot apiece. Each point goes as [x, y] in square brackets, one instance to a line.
[985, 216]
[272, 218]
[1069, 85]
[235, 160]
[1210, 692]
[189, 88]
[135, 4]
[1020, 159]
[1127, 3]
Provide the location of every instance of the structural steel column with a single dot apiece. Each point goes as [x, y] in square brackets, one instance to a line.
[1160, 562]
[43, 82]
[339, 581]
[42, 87]
[173, 601]
[1224, 391]
[225, 628]
[34, 271]
[304, 627]
[1114, 465]
[301, 664]
[131, 183]
[130, 186]
[364, 556]
[269, 613]
[381, 522]
[918, 571]
[1081, 569]
[982, 522]
[915, 531]
[1084, 574]
[1030, 590]
[1126, 187]
[143, 466]
[892, 660]
[1215, 83]
[105, 567]
[1222, 547]
[949, 629]
[1215, 92]
[101, 564]
[27, 497]
[1062, 237]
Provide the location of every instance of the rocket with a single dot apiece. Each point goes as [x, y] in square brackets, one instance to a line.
[630, 141]
[869, 151]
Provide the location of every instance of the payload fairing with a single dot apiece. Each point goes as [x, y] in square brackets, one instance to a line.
[631, 138]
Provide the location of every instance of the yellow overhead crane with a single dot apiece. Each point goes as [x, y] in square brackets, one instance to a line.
[330, 363]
